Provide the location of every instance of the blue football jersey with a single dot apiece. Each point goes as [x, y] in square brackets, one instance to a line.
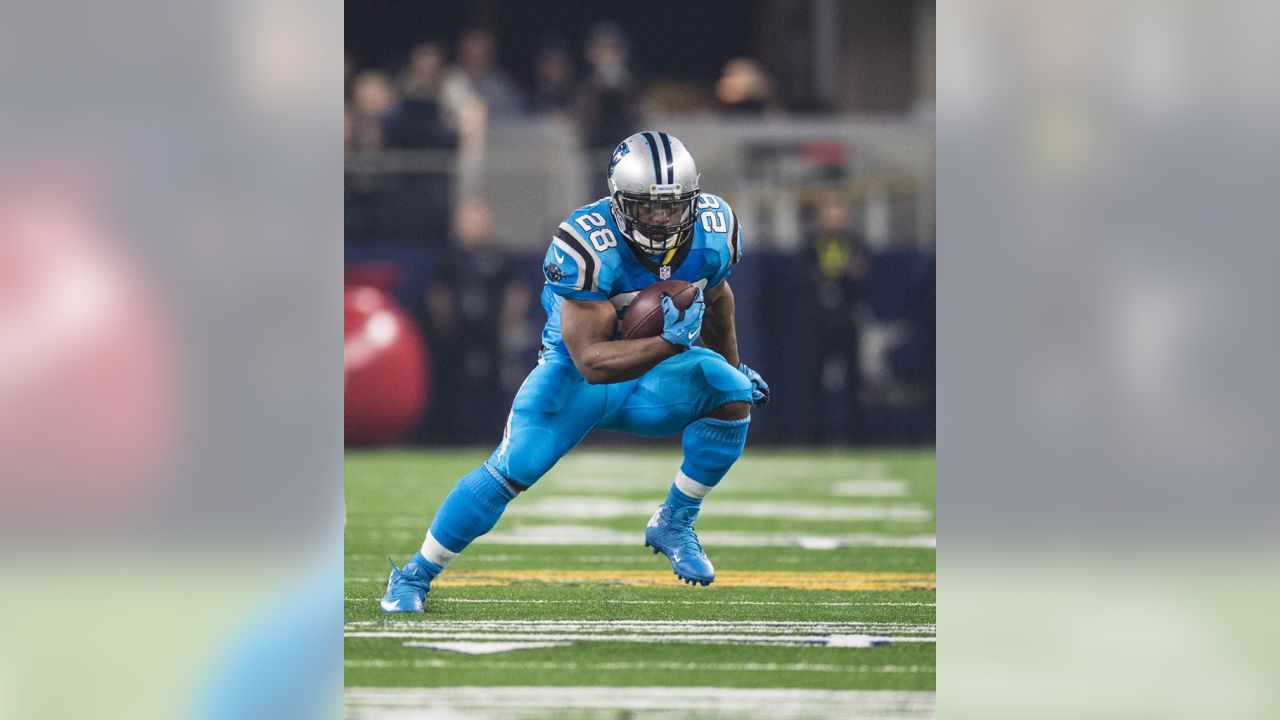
[590, 260]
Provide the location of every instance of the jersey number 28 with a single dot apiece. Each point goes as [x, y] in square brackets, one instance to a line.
[601, 239]
[712, 221]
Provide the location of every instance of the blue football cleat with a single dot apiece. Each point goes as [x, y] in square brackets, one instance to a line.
[407, 587]
[670, 532]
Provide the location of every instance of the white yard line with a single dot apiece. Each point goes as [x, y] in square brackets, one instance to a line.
[585, 507]
[437, 663]
[700, 632]
[574, 507]
[574, 601]
[879, 487]
[835, 641]
[517, 703]
[486, 648]
[535, 535]
[593, 535]
[571, 601]
[657, 626]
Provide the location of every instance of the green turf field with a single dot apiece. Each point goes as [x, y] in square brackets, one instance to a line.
[823, 604]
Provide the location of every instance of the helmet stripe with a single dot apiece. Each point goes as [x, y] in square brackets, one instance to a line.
[671, 159]
[653, 155]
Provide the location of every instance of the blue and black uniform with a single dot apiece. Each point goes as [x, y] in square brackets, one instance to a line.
[588, 260]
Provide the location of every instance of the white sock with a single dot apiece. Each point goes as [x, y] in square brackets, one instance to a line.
[691, 487]
[435, 552]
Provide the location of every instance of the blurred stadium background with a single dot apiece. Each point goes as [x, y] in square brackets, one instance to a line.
[472, 129]
[1109, 430]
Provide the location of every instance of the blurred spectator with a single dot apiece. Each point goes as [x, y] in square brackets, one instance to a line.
[373, 101]
[472, 90]
[609, 106]
[424, 120]
[745, 88]
[553, 90]
[423, 76]
[470, 305]
[477, 74]
[838, 264]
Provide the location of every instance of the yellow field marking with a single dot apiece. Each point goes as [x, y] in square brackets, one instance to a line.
[849, 581]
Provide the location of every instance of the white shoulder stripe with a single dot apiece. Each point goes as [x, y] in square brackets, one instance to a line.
[595, 266]
[571, 251]
[735, 247]
[569, 228]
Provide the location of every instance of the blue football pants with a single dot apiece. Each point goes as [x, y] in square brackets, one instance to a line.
[556, 407]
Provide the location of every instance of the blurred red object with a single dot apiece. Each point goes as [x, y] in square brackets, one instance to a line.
[88, 373]
[385, 368]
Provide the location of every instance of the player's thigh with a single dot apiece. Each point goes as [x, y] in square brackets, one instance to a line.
[554, 409]
[677, 392]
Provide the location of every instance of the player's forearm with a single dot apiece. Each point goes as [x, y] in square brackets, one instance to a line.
[719, 333]
[618, 360]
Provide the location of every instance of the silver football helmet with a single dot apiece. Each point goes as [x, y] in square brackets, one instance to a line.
[654, 184]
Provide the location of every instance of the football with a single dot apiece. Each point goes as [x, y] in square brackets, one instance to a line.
[643, 317]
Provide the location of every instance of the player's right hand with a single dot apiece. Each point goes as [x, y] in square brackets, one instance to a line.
[759, 388]
[682, 328]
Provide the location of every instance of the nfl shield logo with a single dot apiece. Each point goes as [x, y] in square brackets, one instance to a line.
[664, 272]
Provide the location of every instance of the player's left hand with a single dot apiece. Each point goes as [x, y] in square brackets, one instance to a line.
[681, 327]
[759, 388]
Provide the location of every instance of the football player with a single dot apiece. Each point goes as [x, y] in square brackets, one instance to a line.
[656, 224]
